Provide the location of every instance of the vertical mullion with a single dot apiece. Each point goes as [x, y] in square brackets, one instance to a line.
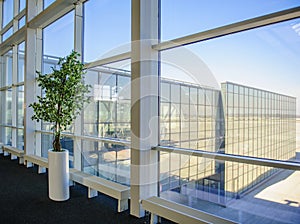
[144, 103]
[78, 47]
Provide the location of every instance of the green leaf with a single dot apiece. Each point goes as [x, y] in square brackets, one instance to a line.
[65, 94]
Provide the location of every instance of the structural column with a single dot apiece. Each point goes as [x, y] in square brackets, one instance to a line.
[33, 54]
[78, 42]
[14, 74]
[144, 103]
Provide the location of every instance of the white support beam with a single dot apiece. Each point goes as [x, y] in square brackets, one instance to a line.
[2, 99]
[231, 29]
[144, 103]
[53, 12]
[38, 66]
[16, 7]
[14, 103]
[108, 60]
[231, 158]
[29, 91]
[15, 39]
[33, 56]
[78, 29]
[78, 47]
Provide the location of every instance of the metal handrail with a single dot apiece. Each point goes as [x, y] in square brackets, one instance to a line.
[232, 158]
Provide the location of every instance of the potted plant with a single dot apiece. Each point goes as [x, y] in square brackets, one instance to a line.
[63, 99]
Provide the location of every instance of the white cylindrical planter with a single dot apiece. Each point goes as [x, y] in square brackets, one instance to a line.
[58, 175]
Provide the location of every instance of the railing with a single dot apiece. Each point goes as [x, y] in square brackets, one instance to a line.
[101, 139]
[232, 158]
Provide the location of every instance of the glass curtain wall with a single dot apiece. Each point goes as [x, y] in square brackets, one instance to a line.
[8, 11]
[6, 98]
[261, 57]
[52, 51]
[189, 119]
[260, 124]
[12, 93]
[107, 116]
[10, 16]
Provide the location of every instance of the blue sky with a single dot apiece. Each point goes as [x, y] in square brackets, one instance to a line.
[267, 57]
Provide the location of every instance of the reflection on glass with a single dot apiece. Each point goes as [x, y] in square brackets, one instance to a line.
[21, 58]
[20, 106]
[47, 3]
[201, 15]
[108, 115]
[263, 128]
[65, 28]
[278, 194]
[20, 139]
[8, 11]
[22, 22]
[6, 68]
[22, 5]
[100, 14]
[6, 99]
[261, 124]
[46, 144]
[109, 161]
[7, 34]
[7, 136]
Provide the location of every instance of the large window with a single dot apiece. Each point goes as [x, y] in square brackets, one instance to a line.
[180, 19]
[6, 68]
[106, 28]
[63, 27]
[21, 58]
[108, 116]
[8, 11]
[22, 5]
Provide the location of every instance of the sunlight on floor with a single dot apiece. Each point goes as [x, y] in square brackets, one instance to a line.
[286, 191]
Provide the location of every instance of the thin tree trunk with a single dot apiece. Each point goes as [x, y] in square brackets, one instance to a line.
[56, 142]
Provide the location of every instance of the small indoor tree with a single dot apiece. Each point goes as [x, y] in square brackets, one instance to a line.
[64, 96]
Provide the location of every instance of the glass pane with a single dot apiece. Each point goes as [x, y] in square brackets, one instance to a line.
[21, 58]
[6, 67]
[6, 100]
[20, 139]
[238, 187]
[106, 22]
[46, 144]
[7, 136]
[20, 107]
[22, 5]
[193, 102]
[107, 160]
[8, 106]
[47, 3]
[7, 34]
[108, 115]
[8, 11]
[22, 22]
[257, 55]
[180, 19]
[64, 27]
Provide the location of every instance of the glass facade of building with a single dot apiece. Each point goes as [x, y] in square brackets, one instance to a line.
[191, 117]
[259, 124]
